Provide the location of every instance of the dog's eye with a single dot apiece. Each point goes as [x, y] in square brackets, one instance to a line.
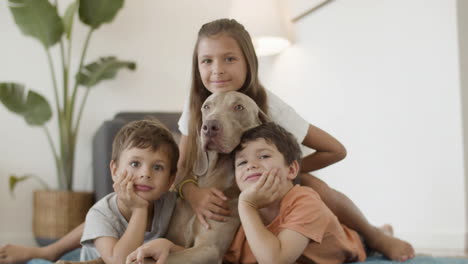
[206, 107]
[238, 107]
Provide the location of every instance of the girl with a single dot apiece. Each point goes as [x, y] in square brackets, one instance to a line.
[224, 59]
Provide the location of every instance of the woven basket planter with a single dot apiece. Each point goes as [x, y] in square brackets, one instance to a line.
[57, 212]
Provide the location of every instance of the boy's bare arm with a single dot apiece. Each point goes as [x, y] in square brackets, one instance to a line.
[266, 247]
[115, 251]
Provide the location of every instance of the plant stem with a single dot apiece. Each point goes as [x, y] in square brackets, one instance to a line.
[68, 60]
[63, 133]
[68, 160]
[56, 158]
[41, 181]
[70, 144]
[75, 88]
[65, 141]
[68, 66]
[65, 77]
[80, 113]
[54, 79]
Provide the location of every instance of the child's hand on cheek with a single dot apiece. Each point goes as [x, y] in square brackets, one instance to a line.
[123, 186]
[264, 192]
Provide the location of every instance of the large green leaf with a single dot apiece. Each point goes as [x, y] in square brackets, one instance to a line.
[38, 19]
[39, 111]
[96, 12]
[104, 68]
[68, 17]
[33, 107]
[12, 96]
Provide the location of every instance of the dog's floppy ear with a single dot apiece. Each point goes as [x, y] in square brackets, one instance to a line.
[200, 167]
[263, 117]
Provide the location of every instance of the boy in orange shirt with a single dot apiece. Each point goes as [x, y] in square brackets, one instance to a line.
[281, 222]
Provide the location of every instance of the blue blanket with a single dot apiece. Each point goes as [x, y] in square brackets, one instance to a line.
[416, 260]
[75, 255]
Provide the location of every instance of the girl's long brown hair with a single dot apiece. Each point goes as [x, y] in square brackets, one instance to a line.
[198, 92]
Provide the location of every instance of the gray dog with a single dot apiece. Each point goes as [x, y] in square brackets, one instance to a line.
[225, 117]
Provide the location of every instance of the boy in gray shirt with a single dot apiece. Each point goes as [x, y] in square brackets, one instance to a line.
[143, 168]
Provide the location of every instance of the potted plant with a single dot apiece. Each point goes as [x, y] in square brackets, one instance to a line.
[40, 19]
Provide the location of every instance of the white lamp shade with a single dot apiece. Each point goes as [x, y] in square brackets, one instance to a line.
[266, 22]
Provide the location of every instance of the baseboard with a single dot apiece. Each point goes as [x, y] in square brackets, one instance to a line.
[437, 241]
[25, 238]
[466, 243]
[441, 253]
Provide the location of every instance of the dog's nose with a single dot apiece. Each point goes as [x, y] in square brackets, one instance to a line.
[211, 128]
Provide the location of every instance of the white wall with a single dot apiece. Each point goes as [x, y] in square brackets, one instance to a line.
[382, 76]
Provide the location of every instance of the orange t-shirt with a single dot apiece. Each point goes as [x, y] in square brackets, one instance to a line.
[303, 211]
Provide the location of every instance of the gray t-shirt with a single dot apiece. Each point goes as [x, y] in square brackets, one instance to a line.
[105, 220]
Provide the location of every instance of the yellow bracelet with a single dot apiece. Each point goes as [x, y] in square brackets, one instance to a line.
[182, 184]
